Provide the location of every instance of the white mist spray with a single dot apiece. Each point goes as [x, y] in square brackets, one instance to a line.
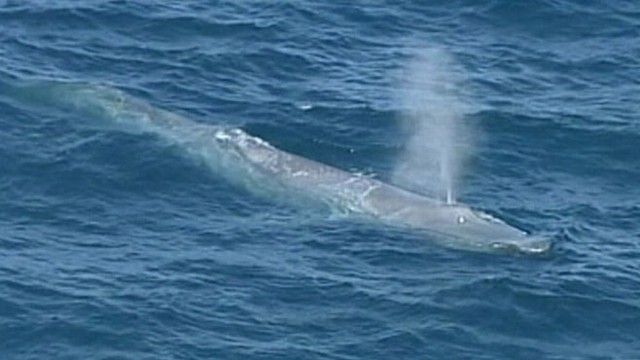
[433, 117]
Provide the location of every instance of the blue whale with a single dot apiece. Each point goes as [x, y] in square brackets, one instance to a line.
[261, 168]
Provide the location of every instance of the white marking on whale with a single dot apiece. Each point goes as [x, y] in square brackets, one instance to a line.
[263, 169]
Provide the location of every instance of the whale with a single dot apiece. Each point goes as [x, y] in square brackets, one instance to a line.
[261, 168]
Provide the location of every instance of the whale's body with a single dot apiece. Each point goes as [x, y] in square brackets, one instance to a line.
[258, 166]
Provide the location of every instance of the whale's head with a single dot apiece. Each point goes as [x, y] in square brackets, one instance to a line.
[475, 228]
[453, 225]
[460, 226]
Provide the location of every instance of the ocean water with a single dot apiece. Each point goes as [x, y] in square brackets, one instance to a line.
[117, 246]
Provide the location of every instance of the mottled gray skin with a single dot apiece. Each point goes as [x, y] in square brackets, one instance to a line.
[455, 225]
[263, 169]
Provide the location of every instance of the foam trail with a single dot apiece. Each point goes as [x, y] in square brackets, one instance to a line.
[433, 117]
[252, 163]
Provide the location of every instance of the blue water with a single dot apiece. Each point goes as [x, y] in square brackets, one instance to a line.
[117, 246]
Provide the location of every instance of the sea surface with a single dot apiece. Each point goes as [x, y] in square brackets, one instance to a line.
[117, 246]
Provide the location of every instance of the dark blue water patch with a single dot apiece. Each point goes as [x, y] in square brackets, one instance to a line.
[60, 327]
[592, 154]
[551, 20]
